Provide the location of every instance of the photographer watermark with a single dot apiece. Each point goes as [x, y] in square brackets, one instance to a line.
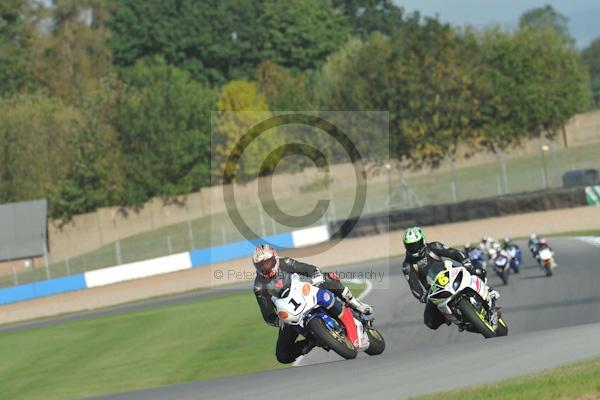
[233, 275]
[281, 173]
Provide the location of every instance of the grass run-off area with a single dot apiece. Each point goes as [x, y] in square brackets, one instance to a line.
[577, 381]
[203, 339]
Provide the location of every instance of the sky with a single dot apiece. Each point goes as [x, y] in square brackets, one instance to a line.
[584, 15]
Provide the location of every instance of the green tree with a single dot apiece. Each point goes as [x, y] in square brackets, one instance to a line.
[95, 176]
[535, 84]
[34, 154]
[301, 33]
[213, 40]
[242, 106]
[14, 42]
[162, 121]
[439, 103]
[591, 58]
[357, 77]
[71, 56]
[369, 16]
[284, 89]
[546, 18]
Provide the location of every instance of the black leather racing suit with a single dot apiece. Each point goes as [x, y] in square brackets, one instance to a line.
[287, 349]
[415, 271]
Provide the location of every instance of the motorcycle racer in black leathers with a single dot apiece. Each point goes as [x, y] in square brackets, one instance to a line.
[273, 273]
[419, 257]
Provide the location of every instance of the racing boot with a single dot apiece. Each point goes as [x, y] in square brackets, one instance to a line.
[308, 345]
[357, 305]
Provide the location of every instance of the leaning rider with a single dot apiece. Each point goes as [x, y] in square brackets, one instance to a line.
[272, 274]
[533, 244]
[419, 258]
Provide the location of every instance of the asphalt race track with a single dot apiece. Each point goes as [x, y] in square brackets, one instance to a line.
[551, 321]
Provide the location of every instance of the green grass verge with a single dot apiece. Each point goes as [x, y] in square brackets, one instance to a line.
[205, 339]
[576, 381]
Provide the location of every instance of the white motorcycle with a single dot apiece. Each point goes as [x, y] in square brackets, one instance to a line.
[298, 305]
[545, 258]
[464, 299]
[501, 262]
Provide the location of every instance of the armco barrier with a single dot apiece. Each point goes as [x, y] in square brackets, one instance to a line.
[161, 265]
[463, 211]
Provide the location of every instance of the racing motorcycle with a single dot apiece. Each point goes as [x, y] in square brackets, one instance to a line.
[464, 299]
[301, 305]
[545, 258]
[477, 257]
[516, 257]
[502, 265]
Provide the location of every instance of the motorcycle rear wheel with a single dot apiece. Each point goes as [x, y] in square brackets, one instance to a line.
[332, 339]
[476, 320]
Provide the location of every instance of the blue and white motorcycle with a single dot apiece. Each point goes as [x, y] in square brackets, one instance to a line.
[516, 258]
[310, 310]
[502, 262]
[477, 257]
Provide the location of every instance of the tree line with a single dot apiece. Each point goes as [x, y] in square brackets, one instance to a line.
[108, 102]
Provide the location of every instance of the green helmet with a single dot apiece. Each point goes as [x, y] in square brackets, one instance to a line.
[414, 241]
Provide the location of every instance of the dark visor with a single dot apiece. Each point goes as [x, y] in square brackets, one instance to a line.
[414, 248]
[266, 265]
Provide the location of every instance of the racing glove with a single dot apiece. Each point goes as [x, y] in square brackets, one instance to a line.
[468, 265]
[318, 278]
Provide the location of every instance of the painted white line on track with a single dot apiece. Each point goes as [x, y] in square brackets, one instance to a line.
[364, 294]
[593, 240]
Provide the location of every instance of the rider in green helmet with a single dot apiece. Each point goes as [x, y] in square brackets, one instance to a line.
[419, 257]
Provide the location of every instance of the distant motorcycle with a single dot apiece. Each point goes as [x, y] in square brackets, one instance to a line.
[545, 258]
[516, 257]
[502, 264]
[298, 305]
[477, 257]
[464, 299]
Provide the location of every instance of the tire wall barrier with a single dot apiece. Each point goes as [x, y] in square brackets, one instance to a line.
[464, 211]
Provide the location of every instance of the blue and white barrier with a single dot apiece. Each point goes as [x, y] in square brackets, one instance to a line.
[161, 265]
[136, 270]
[42, 288]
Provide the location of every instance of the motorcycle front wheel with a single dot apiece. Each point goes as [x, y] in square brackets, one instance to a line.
[332, 339]
[476, 319]
[502, 329]
[377, 343]
[504, 277]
